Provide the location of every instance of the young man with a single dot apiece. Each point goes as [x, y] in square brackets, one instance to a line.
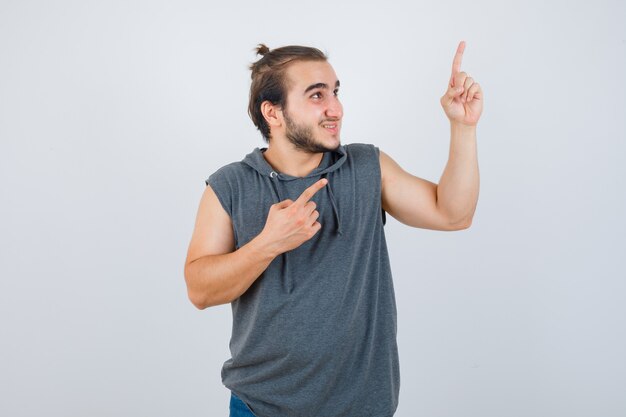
[292, 236]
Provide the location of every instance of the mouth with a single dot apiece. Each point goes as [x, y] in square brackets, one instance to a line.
[332, 127]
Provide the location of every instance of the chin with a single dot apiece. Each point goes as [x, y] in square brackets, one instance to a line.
[331, 144]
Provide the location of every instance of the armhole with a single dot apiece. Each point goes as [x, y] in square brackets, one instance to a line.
[224, 198]
[218, 192]
[383, 214]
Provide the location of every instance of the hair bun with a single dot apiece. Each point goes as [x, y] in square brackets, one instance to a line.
[262, 49]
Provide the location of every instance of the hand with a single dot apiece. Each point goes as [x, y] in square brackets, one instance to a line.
[291, 223]
[463, 102]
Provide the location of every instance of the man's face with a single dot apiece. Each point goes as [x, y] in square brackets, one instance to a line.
[313, 112]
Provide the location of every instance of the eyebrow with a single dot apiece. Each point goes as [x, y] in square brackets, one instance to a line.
[319, 85]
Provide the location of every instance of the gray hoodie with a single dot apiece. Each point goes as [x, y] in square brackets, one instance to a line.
[315, 334]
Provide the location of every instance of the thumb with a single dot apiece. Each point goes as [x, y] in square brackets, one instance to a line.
[283, 204]
[452, 92]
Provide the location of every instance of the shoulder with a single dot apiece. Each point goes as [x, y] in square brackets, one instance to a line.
[362, 150]
[384, 162]
[228, 173]
[226, 182]
[233, 177]
[365, 159]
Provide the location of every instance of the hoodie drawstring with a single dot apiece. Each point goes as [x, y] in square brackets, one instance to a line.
[330, 162]
[273, 178]
[333, 203]
[288, 282]
[329, 190]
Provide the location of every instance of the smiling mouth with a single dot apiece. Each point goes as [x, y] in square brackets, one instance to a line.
[332, 126]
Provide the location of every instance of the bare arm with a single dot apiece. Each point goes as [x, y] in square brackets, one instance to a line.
[457, 193]
[419, 203]
[215, 272]
[219, 279]
[451, 204]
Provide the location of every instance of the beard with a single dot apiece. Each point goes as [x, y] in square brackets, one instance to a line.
[301, 136]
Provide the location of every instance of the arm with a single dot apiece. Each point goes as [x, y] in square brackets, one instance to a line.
[215, 272]
[457, 193]
[451, 204]
[420, 203]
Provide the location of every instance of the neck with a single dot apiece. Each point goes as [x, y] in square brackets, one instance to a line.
[286, 159]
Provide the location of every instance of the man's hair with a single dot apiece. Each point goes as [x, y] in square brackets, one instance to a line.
[269, 82]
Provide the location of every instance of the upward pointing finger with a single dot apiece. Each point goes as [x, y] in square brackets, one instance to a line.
[310, 192]
[456, 63]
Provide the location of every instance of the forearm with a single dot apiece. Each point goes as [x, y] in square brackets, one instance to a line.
[219, 279]
[457, 192]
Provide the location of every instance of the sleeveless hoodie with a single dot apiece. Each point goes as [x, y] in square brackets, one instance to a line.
[315, 334]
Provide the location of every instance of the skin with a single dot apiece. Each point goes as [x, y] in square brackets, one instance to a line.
[216, 273]
[302, 137]
[449, 205]
[310, 109]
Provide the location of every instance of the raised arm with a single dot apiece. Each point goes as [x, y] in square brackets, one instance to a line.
[418, 202]
[449, 205]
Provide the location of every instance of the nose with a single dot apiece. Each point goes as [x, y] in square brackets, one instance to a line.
[334, 109]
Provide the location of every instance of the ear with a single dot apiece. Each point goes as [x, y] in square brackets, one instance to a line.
[272, 113]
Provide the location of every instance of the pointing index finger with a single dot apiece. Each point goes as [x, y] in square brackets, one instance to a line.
[456, 63]
[310, 192]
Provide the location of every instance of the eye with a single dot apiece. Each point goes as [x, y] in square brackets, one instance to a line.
[336, 92]
[317, 95]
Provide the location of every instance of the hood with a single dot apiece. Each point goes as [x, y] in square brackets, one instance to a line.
[331, 161]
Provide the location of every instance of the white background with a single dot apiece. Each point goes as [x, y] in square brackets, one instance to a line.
[113, 113]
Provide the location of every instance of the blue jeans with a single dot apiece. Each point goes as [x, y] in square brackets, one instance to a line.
[238, 408]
